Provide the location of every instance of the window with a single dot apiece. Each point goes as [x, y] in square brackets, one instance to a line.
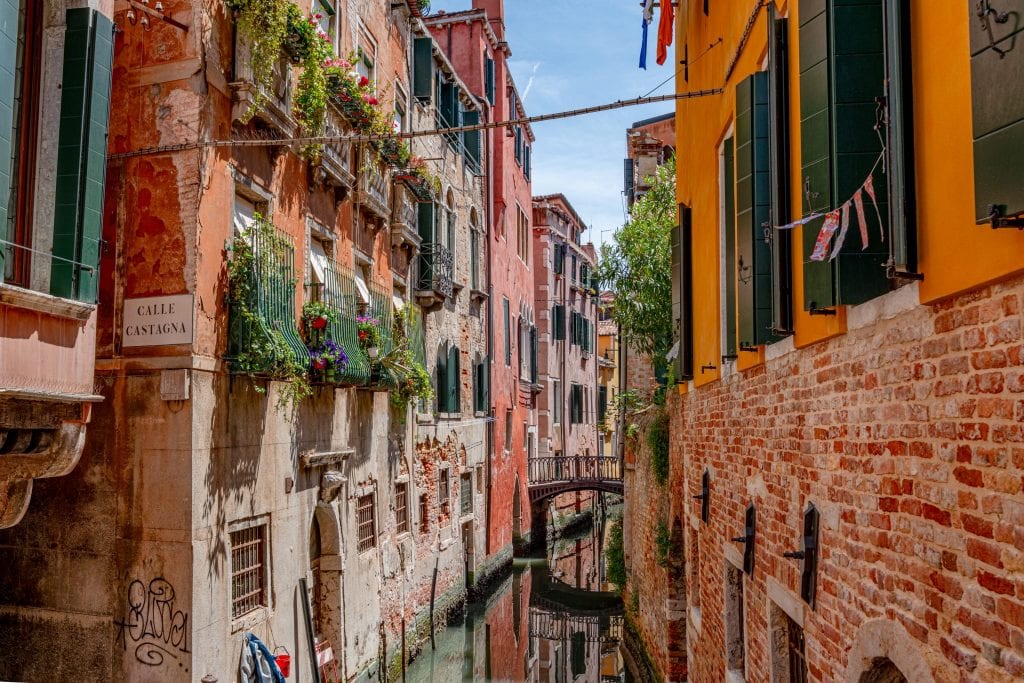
[471, 141]
[443, 491]
[366, 523]
[508, 333]
[466, 494]
[788, 658]
[366, 55]
[489, 78]
[576, 404]
[19, 149]
[508, 430]
[402, 508]
[559, 258]
[779, 172]
[556, 392]
[450, 223]
[480, 393]
[448, 379]
[602, 402]
[519, 143]
[328, 19]
[474, 251]
[682, 298]
[522, 235]
[401, 108]
[248, 570]
[558, 322]
[735, 621]
[424, 513]
[527, 162]
[423, 69]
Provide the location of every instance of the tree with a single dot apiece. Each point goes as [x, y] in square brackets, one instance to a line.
[637, 266]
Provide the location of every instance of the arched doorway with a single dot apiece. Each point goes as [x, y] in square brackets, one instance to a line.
[882, 671]
[325, 570]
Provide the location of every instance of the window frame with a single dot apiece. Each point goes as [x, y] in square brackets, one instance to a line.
[262, 524]
[402, 525]
[366, 544]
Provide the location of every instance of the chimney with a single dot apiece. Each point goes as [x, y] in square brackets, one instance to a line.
[495, 13]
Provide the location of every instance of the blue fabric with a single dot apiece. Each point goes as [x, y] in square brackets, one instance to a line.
[261, 665]
[643, 47]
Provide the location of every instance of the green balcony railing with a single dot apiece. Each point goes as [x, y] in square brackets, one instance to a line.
[339, 291]
[263, 333]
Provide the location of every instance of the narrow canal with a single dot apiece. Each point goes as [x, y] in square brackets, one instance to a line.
[554, 620]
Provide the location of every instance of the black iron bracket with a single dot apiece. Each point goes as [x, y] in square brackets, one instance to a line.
[822, 311]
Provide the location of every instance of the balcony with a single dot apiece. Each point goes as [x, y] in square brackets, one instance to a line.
[374, 194]
[434, 284]
[276, 106]
[336, 160]
[404, 219]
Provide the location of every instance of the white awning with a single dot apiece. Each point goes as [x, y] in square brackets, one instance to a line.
[362, 291]
[318, 261]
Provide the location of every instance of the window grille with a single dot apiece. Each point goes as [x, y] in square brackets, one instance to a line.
[443, 493]
[424, 513]
[466, 494]
[366, 523]
[402, 508]
[248, 570]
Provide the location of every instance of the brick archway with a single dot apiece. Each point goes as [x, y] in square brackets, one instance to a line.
[879, 640]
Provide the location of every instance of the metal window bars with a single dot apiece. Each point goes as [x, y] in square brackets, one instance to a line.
[466, 494]
[248, 577]
[262, 312]
[402, 508]
[436, 269]
[366, 523]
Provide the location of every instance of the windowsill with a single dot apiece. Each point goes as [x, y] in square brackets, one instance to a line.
[44, 303]
[477, 294]
[449, 416]
[480, 413]
[466, 517]
[456, 287]
[424, 418]
[247, 621]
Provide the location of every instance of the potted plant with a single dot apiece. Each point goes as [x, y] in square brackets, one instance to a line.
[418, 179]
[328, 360]
[369, 334]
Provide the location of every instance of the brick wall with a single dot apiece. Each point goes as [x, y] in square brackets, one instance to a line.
[906, 434]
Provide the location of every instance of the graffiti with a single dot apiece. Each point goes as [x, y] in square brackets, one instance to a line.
[151, 623]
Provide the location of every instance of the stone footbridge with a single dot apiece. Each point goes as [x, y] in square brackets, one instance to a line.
[552, 476]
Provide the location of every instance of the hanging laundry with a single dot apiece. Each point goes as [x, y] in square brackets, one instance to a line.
[828, 228]
[869, 185]
[643, 47]
[858, 202]
[666, 25]
[842, 231]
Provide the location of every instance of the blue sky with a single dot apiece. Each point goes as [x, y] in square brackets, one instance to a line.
[568, 54]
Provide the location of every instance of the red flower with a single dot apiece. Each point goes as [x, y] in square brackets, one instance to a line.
[320, 364]
[363, 81]
[319, 323]
[363, 335]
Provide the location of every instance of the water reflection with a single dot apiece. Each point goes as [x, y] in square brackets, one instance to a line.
[551, 621]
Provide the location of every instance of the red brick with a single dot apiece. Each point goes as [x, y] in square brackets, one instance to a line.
[984, 551]
[995, 583]
[968, 476]
[976, 525]
[929, 511]
[956, 655]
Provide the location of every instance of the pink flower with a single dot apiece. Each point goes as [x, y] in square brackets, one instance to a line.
[363, 81]
[344, 64]
[318, 16]
[370, 100]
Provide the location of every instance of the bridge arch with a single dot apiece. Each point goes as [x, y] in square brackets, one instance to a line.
[551, 476]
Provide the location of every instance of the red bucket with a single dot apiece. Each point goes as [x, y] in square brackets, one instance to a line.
[284, 663]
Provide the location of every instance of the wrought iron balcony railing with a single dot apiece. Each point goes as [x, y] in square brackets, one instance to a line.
[375, 190]
[436, 269]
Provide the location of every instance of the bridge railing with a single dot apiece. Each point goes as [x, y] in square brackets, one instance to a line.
[575, 468]
[562, 626]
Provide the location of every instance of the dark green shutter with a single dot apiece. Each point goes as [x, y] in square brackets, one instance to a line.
[677, 274]
[508, 333]
[602, 402]
[441, 381]
[558, 322]
[489, 79]
[533, 354]
[579, 654]
[519, 144]
[471, 139]
[997, 90]
[781, 240]
[82, 154]
[425, 225]
[454, 381]
[842, 77]
[559, 258]
[423, 68]
[9, 22]
[449, 104]
[900, 168]
[753, 208]
[729, 187]
[527, 161]
[684, 357]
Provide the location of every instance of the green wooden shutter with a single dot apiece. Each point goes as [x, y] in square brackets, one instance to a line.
[441, 380]
[9, 22]
[778, 149]
[533, 354]
[425, 226]
[729, 188]
[753, 208]
[423, 68]
[454, 381]
[602, 402]
[508, 333]
[527, 161]
[471, 139]
[519, 145]
[842, 65]
[559, 258]
[489, 79]
[900, 167]
[677, 291]
[997, 90]
[684, 357]
[449, 104]
[82, 154]
[558, 321]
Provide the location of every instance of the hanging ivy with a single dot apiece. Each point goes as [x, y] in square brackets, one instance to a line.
[264, 27]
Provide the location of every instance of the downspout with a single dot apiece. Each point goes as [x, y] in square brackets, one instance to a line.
[489, 212]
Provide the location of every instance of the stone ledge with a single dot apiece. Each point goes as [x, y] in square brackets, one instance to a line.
[45, 303]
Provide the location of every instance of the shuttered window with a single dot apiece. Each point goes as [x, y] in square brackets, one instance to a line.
[508, 333]
[778, 150]
[471, 139]
[559, 258]
[489, 79]
[519, 145]
[558, 322]
[454, 384]
[422, 68]
[533, 354]
[900, 149]
[682, 301]
[441, 380]
[753, 204]
[842, 74]
[728, 190]
[82, 154]
[997, 90]
[480, 384]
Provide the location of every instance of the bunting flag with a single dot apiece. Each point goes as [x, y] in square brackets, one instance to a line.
[869, 187]
[643, 47]
[666, 25]
[842, 232]
[828, 228]
[858, 203]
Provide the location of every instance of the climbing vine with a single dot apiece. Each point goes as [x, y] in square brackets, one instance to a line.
[662, 543]
[615, 555]
[658, 445]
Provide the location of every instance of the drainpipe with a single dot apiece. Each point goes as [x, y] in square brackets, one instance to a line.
[489, 213]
